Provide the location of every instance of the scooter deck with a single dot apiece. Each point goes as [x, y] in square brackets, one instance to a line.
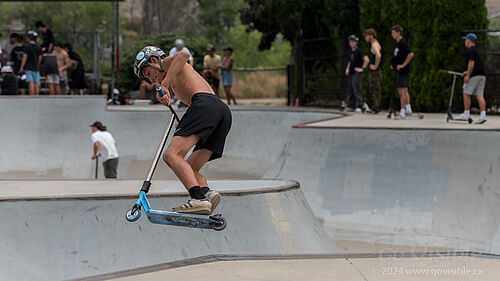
[180, 219]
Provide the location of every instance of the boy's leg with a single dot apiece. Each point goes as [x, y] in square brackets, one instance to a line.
[402, 99]
[174, 157]
[407, 100]
[358, 90]
[51, 88]
[197, 160]
[467, 102]
[351, 103]
[31, 88]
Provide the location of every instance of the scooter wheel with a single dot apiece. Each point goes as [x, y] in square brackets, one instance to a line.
[470, 120]
[220, 225]
[133, 214]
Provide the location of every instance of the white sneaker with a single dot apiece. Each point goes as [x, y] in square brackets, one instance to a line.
[480, 120]
[195, 206]
[358, 110]
[343, 105]
[348, 109]
[463, 117]
[366, 107]
[214, 197]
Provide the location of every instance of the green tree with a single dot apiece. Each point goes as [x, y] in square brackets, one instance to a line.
[217, 17]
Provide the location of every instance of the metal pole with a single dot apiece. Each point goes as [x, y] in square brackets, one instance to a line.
[95, 68]
[96, 166]
[117, 15]
[112, 48]
[98, 69]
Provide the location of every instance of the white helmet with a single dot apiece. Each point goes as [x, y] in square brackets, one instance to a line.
[179, 43]
[6, 69]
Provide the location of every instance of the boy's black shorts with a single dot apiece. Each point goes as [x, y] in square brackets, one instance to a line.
[210, 118]
[401, 80]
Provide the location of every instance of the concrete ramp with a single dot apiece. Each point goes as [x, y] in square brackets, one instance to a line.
[55, 230]
[436, 188]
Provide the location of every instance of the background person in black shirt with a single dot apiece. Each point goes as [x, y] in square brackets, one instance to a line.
[31, 63]
[474, 79]
[77, 77]
[401, 64]
[357, 62]
[47, 36]
[16, 58]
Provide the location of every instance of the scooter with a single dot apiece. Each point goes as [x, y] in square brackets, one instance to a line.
[450, 115]
[215, 222]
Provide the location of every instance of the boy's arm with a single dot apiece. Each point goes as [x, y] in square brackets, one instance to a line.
[23, 62]
[96, 149]
[470, 68]
[176, 66]
[407, 61]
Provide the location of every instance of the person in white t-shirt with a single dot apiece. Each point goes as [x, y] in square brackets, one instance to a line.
[105, 147]
[179, 46]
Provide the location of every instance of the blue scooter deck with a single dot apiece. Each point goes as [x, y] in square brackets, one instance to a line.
[180, 219]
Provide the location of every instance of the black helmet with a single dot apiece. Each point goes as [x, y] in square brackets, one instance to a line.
[143, 57]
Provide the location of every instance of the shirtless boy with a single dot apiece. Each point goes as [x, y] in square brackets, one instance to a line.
[204, 126]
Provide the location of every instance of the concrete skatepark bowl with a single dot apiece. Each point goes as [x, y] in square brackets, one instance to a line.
[396, 185]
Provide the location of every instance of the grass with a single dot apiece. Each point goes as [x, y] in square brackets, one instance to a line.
[259, 84]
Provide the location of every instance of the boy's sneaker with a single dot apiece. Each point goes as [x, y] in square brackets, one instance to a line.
[358, 110]
[463, 117]
[343, 105]
[366, 108]
[195, 206]
[214, 197]
[481, 120]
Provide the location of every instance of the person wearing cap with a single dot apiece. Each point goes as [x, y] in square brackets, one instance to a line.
[211, 65]
[31, 63]
[357, 62]
[401, 65]
[105, 147]
[9, 81]
[204, 126]
[474, 79]
[179, 46]
[227, 74]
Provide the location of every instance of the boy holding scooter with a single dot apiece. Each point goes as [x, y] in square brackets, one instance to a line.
[203, 126]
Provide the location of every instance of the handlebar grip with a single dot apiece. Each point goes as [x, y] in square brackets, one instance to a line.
[160, 91]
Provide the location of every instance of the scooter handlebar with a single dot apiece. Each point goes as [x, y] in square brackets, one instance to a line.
[161, 93]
